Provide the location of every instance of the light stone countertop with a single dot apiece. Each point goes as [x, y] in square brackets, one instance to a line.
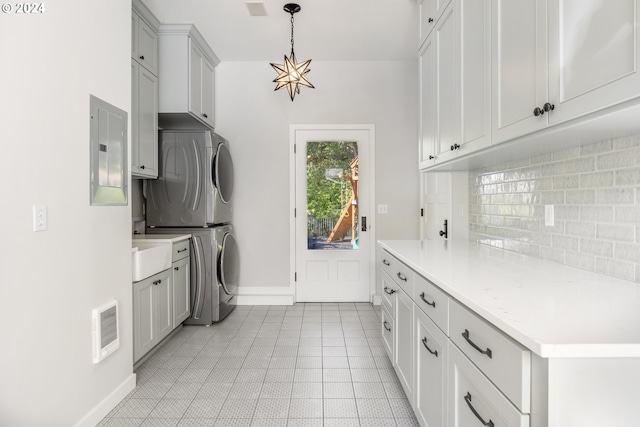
[552, 309]
[164, 238]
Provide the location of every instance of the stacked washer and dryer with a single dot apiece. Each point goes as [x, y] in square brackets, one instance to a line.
[193, 195]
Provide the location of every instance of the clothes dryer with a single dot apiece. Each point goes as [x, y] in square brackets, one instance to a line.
[195, 181]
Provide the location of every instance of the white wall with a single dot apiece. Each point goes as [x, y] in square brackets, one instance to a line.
[51, 280]
[256, 120]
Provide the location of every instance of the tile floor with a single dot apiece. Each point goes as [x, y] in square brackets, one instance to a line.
[313, 364]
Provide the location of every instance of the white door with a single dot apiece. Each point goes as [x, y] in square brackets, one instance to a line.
[436, 204]
[332, 191]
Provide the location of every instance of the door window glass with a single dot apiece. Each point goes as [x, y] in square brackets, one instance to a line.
[332, 195]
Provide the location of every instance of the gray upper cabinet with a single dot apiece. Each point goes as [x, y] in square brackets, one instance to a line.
[144, 92]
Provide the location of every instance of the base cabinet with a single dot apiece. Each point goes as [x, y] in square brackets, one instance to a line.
[431, 355]
[181, 282]
[474, 400]
[152, 312]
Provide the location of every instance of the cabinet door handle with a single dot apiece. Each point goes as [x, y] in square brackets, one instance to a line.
[176, 268]
[538, 111]
[142, 57]
[455, 147]
[548, 107]
[431, 157]
[182, 250]
[424, 342]
[205, 115]
[385, 326]
[465, 335]
[387, 292]
[432, 304]
[467, 399]
[430, 19]
[385, 262]
[142, 167]
[401, 277]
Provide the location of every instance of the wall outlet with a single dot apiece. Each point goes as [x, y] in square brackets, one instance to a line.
[549, 216]
[39, 217]
[383, 209]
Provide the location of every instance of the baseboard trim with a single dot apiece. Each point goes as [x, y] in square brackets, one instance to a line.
[265, 296]
[103, 408]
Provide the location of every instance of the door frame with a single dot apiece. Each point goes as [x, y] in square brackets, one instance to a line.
[370, 189]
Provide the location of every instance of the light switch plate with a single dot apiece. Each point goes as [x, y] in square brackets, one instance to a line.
[383, 209]
[39, 217]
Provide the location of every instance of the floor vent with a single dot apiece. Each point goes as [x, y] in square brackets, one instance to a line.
[105, 330]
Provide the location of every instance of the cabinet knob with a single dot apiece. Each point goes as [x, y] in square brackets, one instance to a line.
[142, 57]
[430, 19]
[205, 115]
[455, 147]
[431, 157]
[548, 107]
[538, 111]
[176, 268]
[142, 167]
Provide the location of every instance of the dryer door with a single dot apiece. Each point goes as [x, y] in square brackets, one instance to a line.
[223, 173]
[228, 264]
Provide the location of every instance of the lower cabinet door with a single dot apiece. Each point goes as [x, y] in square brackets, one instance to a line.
[474, 400]
[404, 342]
[431, 355]
[181, 289]
[387, 333]
[144, 335]
[164, 315]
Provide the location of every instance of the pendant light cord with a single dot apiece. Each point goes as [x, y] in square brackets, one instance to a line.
[292, 34]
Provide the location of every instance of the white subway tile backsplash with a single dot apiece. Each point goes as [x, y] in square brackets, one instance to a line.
[595, 190]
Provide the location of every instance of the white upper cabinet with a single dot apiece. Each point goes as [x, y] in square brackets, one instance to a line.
[455, 83]
[144, 43]
[519, 67]
[430, 12]
[187, 78]
[593, 55]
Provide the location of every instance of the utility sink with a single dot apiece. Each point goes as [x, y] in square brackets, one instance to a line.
[150, 258]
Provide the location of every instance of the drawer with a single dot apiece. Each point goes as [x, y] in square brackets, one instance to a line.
[180, 250]
[389, 292]
[387, 333]
[403, 276]
[474, 400]
[505, 362]
[388, 262]
[431, 300]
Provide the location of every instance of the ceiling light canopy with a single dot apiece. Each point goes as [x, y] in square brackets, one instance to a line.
[291, 74]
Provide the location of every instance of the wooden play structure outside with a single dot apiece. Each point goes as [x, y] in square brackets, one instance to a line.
[349, 213]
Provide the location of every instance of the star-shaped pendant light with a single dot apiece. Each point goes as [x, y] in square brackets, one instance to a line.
[292, 73]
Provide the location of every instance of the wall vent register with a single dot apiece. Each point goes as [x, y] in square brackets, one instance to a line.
[105, 330]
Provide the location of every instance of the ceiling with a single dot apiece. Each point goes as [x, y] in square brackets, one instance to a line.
[325, 30]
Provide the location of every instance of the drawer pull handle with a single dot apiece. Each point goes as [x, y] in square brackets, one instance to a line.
[424, 342]
[432, 304]
[385, 262]
[182, 250]
[465, 335]
[393, 291]
[467, 399]
[401, 277]
[385, 326]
